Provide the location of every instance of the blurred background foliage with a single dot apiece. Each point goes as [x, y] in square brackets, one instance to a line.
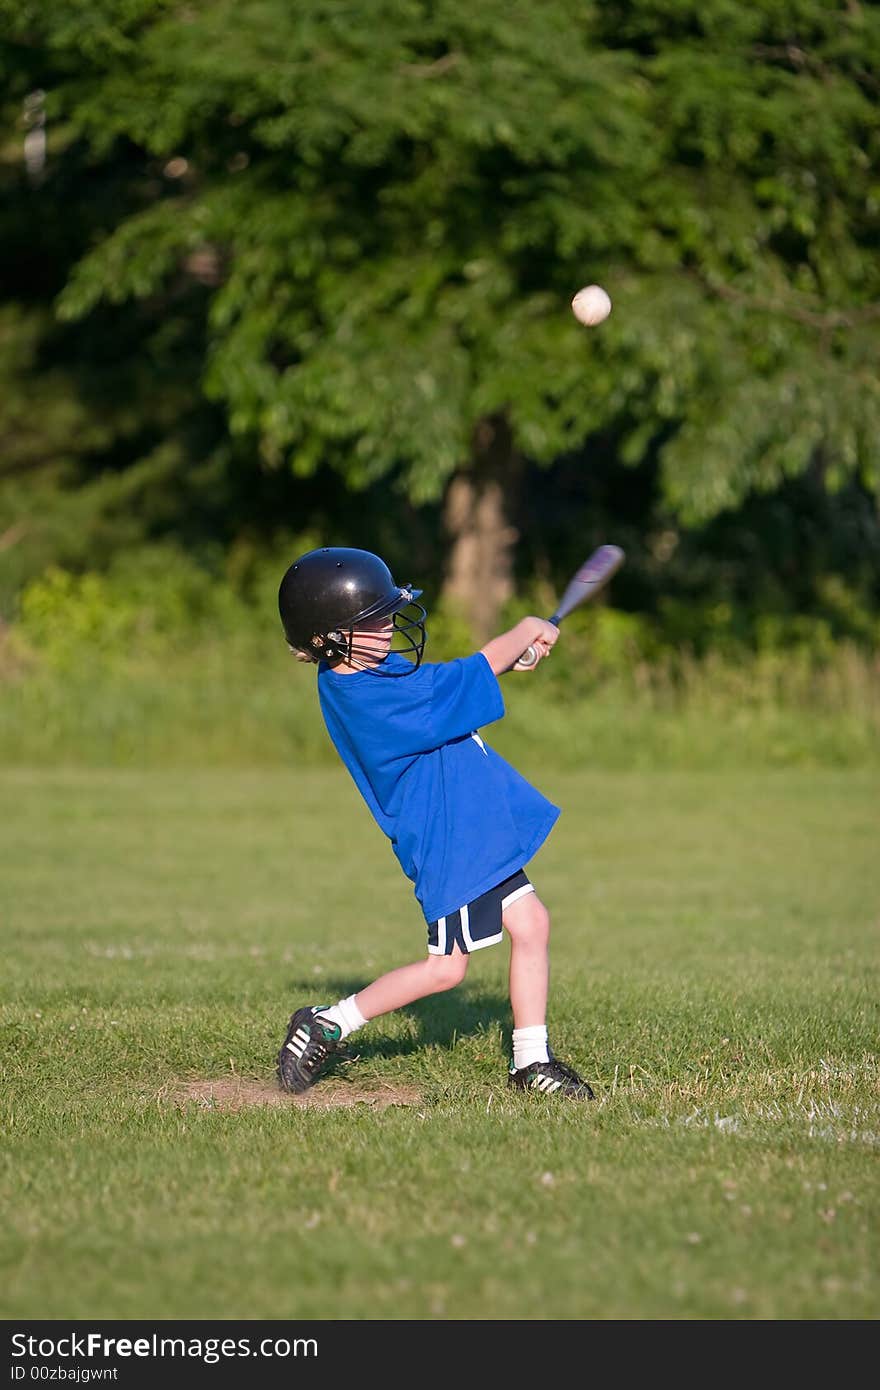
[278, 276]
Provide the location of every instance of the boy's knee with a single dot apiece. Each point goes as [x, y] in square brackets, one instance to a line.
[448, 971]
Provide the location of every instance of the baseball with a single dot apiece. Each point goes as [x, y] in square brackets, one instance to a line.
[591, 305]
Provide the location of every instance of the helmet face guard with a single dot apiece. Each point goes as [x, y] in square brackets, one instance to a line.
[334, 602]
[408, 636]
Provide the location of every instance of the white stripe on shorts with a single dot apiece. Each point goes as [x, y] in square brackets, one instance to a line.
[469, 940]
[518, 893]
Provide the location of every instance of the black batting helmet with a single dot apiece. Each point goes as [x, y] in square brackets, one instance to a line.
[326, 594]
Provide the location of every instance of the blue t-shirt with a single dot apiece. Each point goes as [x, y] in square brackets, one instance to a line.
[460, 818]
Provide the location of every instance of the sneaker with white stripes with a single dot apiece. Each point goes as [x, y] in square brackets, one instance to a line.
[308, 1049]
[552, 1078]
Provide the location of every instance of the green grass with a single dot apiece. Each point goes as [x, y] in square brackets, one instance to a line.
[244, 703]
[715, 961]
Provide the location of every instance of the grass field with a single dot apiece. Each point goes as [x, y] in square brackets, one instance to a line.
[715, 960]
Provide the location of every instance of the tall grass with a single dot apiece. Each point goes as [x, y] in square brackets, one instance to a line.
[243, 701]
[158, 664]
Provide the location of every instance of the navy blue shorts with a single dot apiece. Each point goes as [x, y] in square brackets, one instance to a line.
[478, 923]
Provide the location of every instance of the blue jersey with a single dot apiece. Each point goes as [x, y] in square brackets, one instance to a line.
[460, 818]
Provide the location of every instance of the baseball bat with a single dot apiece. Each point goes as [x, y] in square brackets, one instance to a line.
[592, 576]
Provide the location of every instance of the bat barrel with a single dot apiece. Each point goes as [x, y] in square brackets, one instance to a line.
[591, 576]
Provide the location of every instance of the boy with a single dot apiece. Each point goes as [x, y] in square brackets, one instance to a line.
[461, 821]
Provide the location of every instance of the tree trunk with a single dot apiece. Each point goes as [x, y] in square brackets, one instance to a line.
[479, 579]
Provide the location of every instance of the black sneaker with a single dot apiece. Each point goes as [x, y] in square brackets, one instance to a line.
[553, 1078]
[307, 1050]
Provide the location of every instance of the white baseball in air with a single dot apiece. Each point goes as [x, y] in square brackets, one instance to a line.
[591, 305]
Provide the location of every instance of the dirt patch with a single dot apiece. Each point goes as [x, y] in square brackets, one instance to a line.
[236, 1092]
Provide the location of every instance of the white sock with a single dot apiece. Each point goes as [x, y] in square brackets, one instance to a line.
[347, 1014]
[529, 1045]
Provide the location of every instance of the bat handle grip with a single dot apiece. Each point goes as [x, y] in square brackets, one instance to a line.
[530, 657]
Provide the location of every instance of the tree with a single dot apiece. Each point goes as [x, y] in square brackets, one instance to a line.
[384, 212]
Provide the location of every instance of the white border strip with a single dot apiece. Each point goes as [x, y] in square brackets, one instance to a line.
[518, 893]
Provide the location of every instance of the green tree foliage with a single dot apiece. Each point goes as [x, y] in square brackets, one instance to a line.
[104, 432]
[350, 234]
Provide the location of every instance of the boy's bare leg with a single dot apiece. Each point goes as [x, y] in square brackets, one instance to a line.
[534, 1065]
[528, 926]
[411, 982]
[313, 1035]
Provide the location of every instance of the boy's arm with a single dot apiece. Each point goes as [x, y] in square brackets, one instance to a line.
[503, 652]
